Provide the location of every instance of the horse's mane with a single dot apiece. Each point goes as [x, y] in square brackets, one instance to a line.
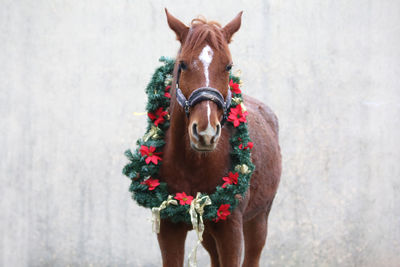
[202, 31]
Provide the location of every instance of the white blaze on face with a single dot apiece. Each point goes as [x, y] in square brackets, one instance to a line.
[210, 131]
[206, 57]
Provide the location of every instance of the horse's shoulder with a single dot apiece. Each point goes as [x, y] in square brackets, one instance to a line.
[258, 108]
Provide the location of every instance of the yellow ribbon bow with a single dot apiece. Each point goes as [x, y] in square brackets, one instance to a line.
[156, 213]
[237, 100]
[196, 216]
[153, 133]
[244, 169]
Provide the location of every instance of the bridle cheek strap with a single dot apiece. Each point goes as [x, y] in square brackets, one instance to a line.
[204, 94]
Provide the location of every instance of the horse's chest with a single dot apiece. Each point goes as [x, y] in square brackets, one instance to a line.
[192, 178]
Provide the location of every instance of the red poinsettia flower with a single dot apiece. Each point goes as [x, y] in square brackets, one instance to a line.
[151, 183]
[249, 146]
[150, 154]
[231, 179]
[158, 116]
[183, 198]
[234, 87]
[236, 115]
[223, 212]
[167, 94]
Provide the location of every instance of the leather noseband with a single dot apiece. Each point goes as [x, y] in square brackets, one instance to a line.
[203, 94]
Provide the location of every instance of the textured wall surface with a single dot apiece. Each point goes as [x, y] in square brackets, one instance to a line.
[72, 73]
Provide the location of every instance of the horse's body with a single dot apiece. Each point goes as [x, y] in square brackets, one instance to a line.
[191, 171]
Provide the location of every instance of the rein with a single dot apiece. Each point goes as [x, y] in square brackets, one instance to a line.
[203, 94]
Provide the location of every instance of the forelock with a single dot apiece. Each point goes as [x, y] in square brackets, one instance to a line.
[202, 31]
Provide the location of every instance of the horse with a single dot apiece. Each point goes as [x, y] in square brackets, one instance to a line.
[196, 153]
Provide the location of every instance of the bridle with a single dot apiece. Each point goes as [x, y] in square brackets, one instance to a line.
[203, 94]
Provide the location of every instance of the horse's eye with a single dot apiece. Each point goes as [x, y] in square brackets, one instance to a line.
[228, 67]
[183, 65]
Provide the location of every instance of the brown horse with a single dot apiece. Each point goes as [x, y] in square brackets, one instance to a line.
[196, 154]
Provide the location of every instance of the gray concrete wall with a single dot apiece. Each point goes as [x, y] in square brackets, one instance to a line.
[72, 73]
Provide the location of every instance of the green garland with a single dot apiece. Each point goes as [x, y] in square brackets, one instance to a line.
[145, 162]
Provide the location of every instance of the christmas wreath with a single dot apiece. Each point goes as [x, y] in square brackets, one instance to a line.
[144, 163]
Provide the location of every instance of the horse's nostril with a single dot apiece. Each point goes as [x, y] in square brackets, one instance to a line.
[218, 130]
[194, 131]
[217, 133]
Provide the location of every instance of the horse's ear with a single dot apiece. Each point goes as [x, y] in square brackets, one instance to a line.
[177, 26]
[232, 27]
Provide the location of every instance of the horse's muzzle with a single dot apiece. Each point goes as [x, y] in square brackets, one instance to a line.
[206, 140]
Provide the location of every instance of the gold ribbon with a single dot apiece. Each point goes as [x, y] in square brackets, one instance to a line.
[153, 133]
[196, 216]
[156, 213]
[237, 100]
[244, 169]
[237, 73]
[168, 79]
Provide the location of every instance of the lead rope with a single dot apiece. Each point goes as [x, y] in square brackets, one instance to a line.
[196, 216]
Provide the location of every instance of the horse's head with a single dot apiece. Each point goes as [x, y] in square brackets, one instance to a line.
[204, 62]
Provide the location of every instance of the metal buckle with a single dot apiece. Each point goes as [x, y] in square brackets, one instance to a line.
[187, 108]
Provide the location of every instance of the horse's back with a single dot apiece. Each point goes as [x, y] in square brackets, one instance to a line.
[266, 155]
[259, 109]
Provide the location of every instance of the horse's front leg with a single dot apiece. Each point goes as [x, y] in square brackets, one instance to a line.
[228, 237]
[172, 243]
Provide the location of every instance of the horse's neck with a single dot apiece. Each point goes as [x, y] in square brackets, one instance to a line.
[182, 165]
[177, 139]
